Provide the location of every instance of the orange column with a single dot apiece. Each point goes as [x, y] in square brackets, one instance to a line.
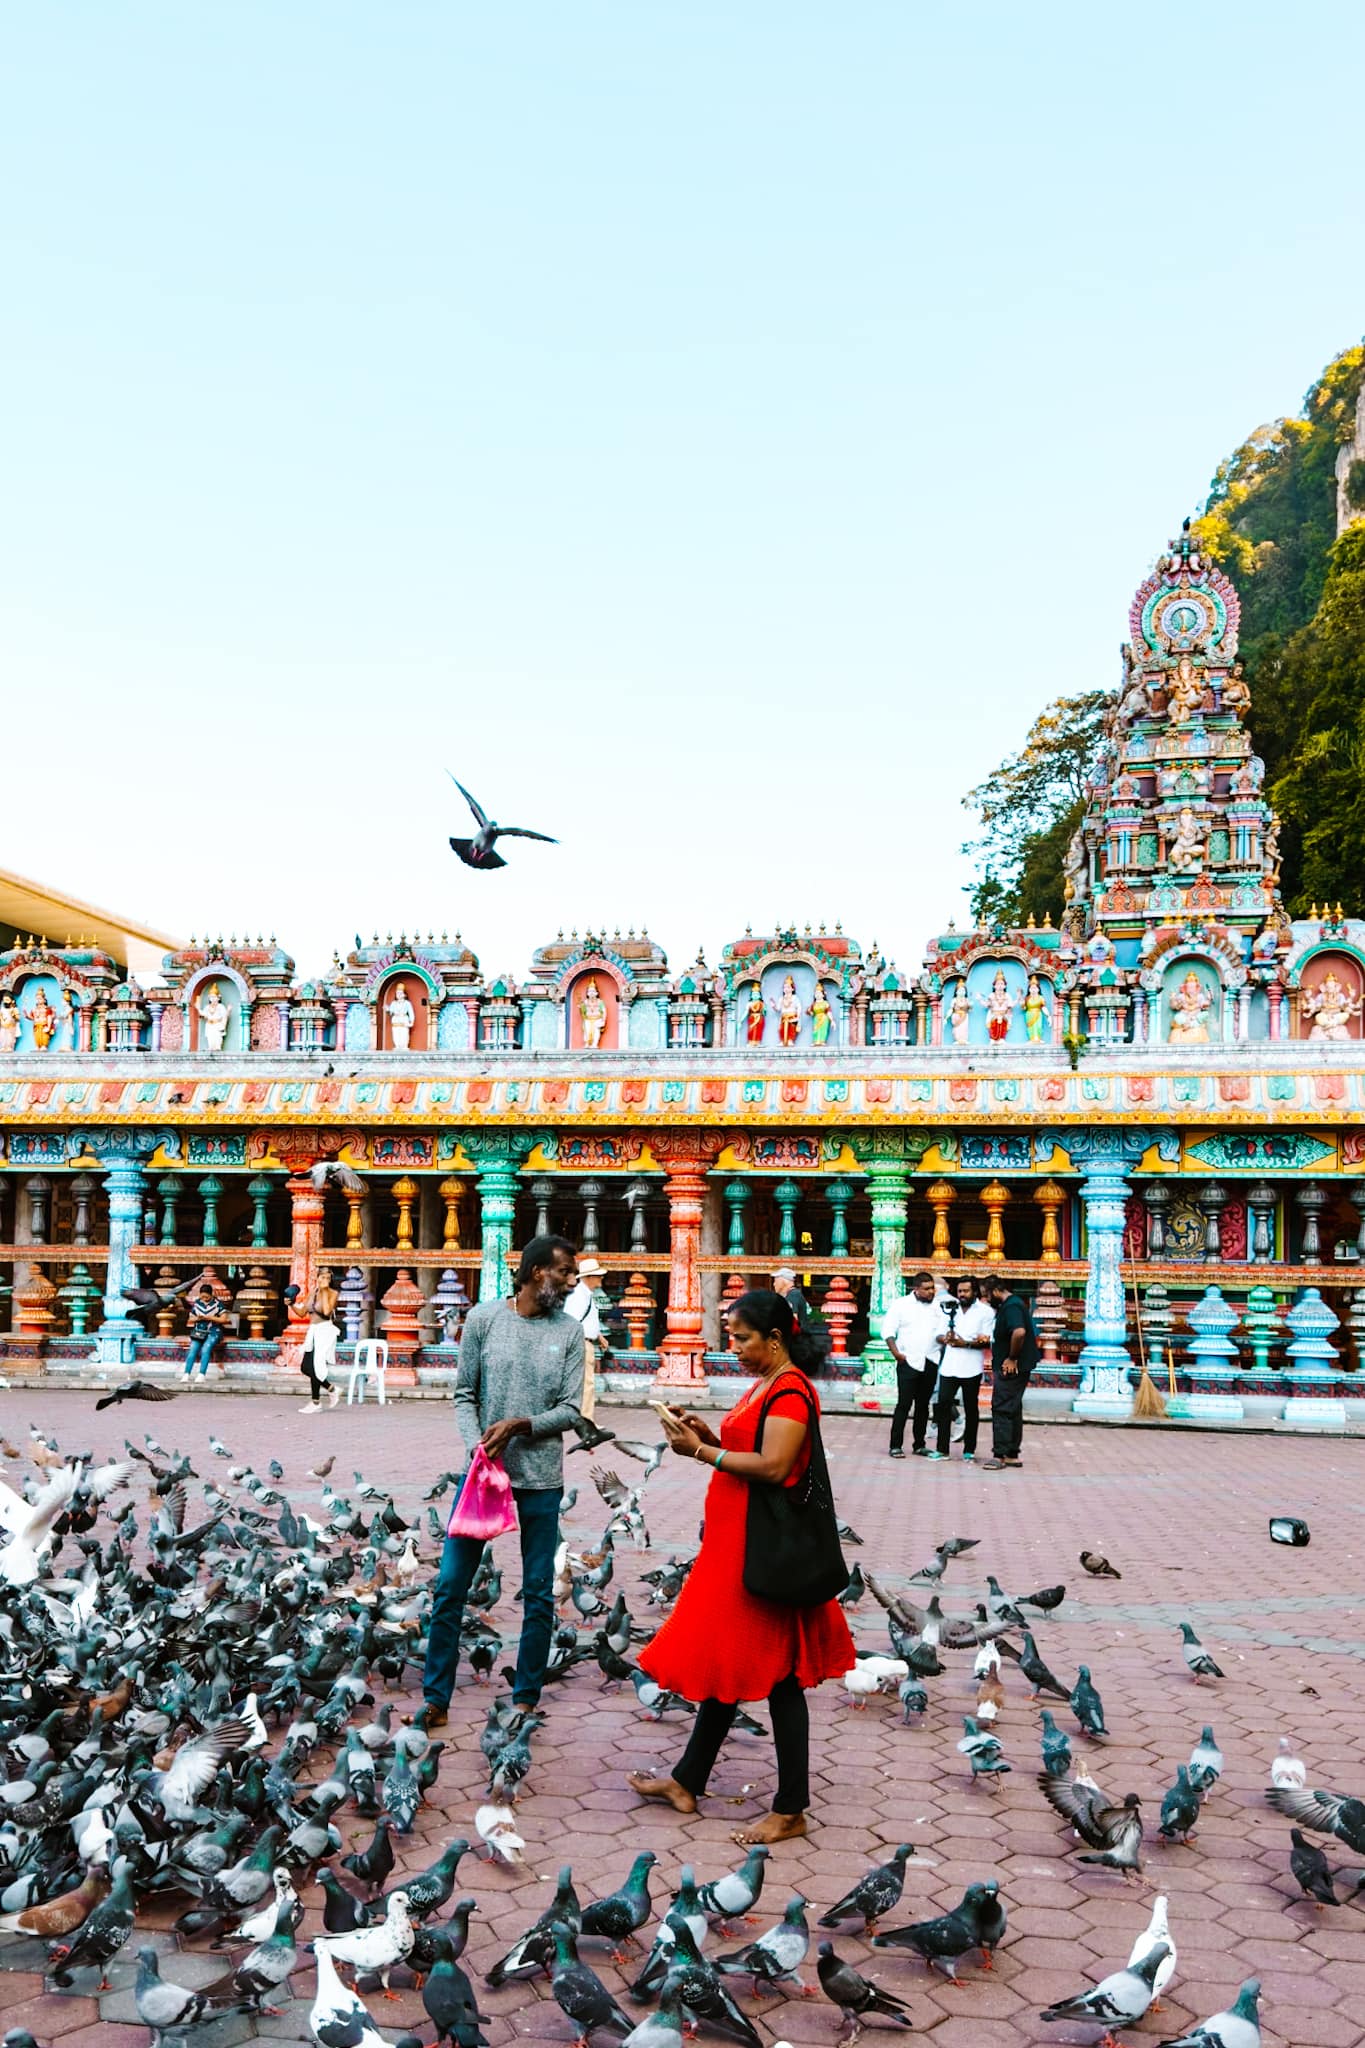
[306, 1207]
[685, 1156]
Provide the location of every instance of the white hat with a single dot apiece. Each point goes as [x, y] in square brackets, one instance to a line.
[589, 1269]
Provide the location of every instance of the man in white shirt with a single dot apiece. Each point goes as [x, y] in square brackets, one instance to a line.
[970, 1326]
[913, 1328]
[581, 1304]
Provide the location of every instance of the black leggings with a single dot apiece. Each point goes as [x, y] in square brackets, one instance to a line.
[315, 1385]
[791, 1738]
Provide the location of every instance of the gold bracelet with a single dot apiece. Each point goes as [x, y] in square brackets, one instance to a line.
[697, 1453]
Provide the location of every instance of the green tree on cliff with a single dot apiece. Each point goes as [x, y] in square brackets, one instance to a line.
[1029, 807]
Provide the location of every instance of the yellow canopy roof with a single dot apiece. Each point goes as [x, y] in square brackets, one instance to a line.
[28, 906]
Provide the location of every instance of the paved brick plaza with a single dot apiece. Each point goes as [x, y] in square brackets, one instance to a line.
[1183, 1515]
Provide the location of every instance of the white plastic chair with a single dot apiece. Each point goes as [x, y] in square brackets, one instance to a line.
[371, 1361]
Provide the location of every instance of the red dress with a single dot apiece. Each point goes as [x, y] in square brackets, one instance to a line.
[721, 1643]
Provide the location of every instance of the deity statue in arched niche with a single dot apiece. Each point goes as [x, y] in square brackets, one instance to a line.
[46, 1021]
[11, 1023]
[1190, 1006]
[592, 1016]
[960, 1014]
[788, 1007]
[1035, 1012]
[1184, 692]
[1185, 855]
[1331, 1005]
[821, 1017]
[212, 1013]
[755, 1017]
[999, 1006]
[401, 1015]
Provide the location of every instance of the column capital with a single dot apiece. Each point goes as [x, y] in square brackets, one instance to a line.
[687, 1148]
[124, 1145]
[883, 1148]
[298, 1147]
[1109, 1148]
[500, 1151]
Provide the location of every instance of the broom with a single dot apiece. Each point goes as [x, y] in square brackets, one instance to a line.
[1148, 1405]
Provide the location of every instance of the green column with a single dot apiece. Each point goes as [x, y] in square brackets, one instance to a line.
[259, 1188]
[168, 1187]
[211, 1193]
[736, 1199]
[838, 1193]
[786, 1195]
[889, 1189]
[499, 1157]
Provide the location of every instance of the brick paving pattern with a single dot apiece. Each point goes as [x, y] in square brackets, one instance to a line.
[1183, 1516]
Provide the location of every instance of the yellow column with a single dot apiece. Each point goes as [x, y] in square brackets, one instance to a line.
[405, 1194]
[940, 1199]
[1049, 1198]
[993, 1198]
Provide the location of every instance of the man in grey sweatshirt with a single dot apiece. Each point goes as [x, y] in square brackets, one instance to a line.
[519, 1387]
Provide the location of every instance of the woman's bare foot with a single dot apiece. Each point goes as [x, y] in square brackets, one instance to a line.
[774, 1827]
[667, 1789]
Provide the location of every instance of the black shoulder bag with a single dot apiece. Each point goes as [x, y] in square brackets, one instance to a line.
[791, 1537]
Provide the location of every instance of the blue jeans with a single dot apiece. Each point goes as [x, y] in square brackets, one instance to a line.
[202, 1349]
[538, 1519]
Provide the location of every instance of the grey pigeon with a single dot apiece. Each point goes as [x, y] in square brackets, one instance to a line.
[777, 1955]
[735, 1895]
[1196, 1656]
[1056, 1748]
[1116, 2001]
[1180, 1809]
[982, 1750]
[875, 1893]
[1206, 1761]
[1087, 1705]
[1311, 1869]
[580, 1993]
[976, 1922]
[1326, 1813]
[856, 1996]
[1238, 2027]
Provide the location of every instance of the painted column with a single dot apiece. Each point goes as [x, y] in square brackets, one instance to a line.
[736, 1200]
[685, 1156]
[306, 1208]
[786, 1195]
[123, 1154]
[590, 1191]
[499, 1156]
[258, 1187]
[838, 1193]
[889, 1190]
[1106, 1155]
[211, 1194]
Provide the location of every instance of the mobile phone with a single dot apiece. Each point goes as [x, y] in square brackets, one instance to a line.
[662, 1408]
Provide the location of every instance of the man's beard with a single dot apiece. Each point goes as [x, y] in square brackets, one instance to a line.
[548, 1295]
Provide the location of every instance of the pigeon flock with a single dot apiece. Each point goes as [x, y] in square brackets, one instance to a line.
[207, 1710]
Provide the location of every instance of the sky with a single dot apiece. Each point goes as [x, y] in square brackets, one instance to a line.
[712, 432]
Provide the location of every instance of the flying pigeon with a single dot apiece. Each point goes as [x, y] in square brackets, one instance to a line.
[479, 852]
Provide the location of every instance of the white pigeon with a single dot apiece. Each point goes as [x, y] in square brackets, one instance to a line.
[29, 1524]
[92, 1834]
[889, 1670]
[1156, 1930]
[249, 1712]
[1287, 1770]
[987, 1661]
[374, 1948]
[497, 1830]
[336, 2013]
[260, 1925]
[860, 1684]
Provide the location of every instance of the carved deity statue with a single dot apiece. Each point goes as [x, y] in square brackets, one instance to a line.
[212, 1013]
[754, 1017]
[960, 1014]
[821, 1017]
[1185, 854]
[46, 1021]
[1236, 695]
[1184, 692]
[1331, 1006]
[999, 1006]
[1270, 852]
[592, 1016]
[1076, 867]
[1190, 1006]
[1035, 1012]
[788, 1008]
[401, 1015]
[11, 1024]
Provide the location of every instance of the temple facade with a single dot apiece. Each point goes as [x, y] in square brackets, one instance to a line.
[1149, 1114]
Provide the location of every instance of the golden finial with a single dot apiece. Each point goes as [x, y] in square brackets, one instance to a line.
[1047, 920]
[1032, 923]
[1338, 913]
[1313, 913]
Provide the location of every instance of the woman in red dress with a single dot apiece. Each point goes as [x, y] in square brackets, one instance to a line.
[721, 1644]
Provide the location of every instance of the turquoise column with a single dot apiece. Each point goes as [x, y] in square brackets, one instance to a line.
[736, 1199]
[838, 1193]
[886, 1157]
[499, 1157]
[786, 1195]
[211, 1194]
[259, 1188]
[1106, 1155]
[123, 1154]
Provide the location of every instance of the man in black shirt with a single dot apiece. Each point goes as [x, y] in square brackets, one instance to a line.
[784, 1283]
[1014, 1353]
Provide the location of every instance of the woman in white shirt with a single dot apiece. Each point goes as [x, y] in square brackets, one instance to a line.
[965, 1344]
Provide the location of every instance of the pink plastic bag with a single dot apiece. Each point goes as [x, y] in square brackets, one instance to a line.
[485, 1507]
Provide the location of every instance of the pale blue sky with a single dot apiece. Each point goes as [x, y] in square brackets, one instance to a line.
[711, 430]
